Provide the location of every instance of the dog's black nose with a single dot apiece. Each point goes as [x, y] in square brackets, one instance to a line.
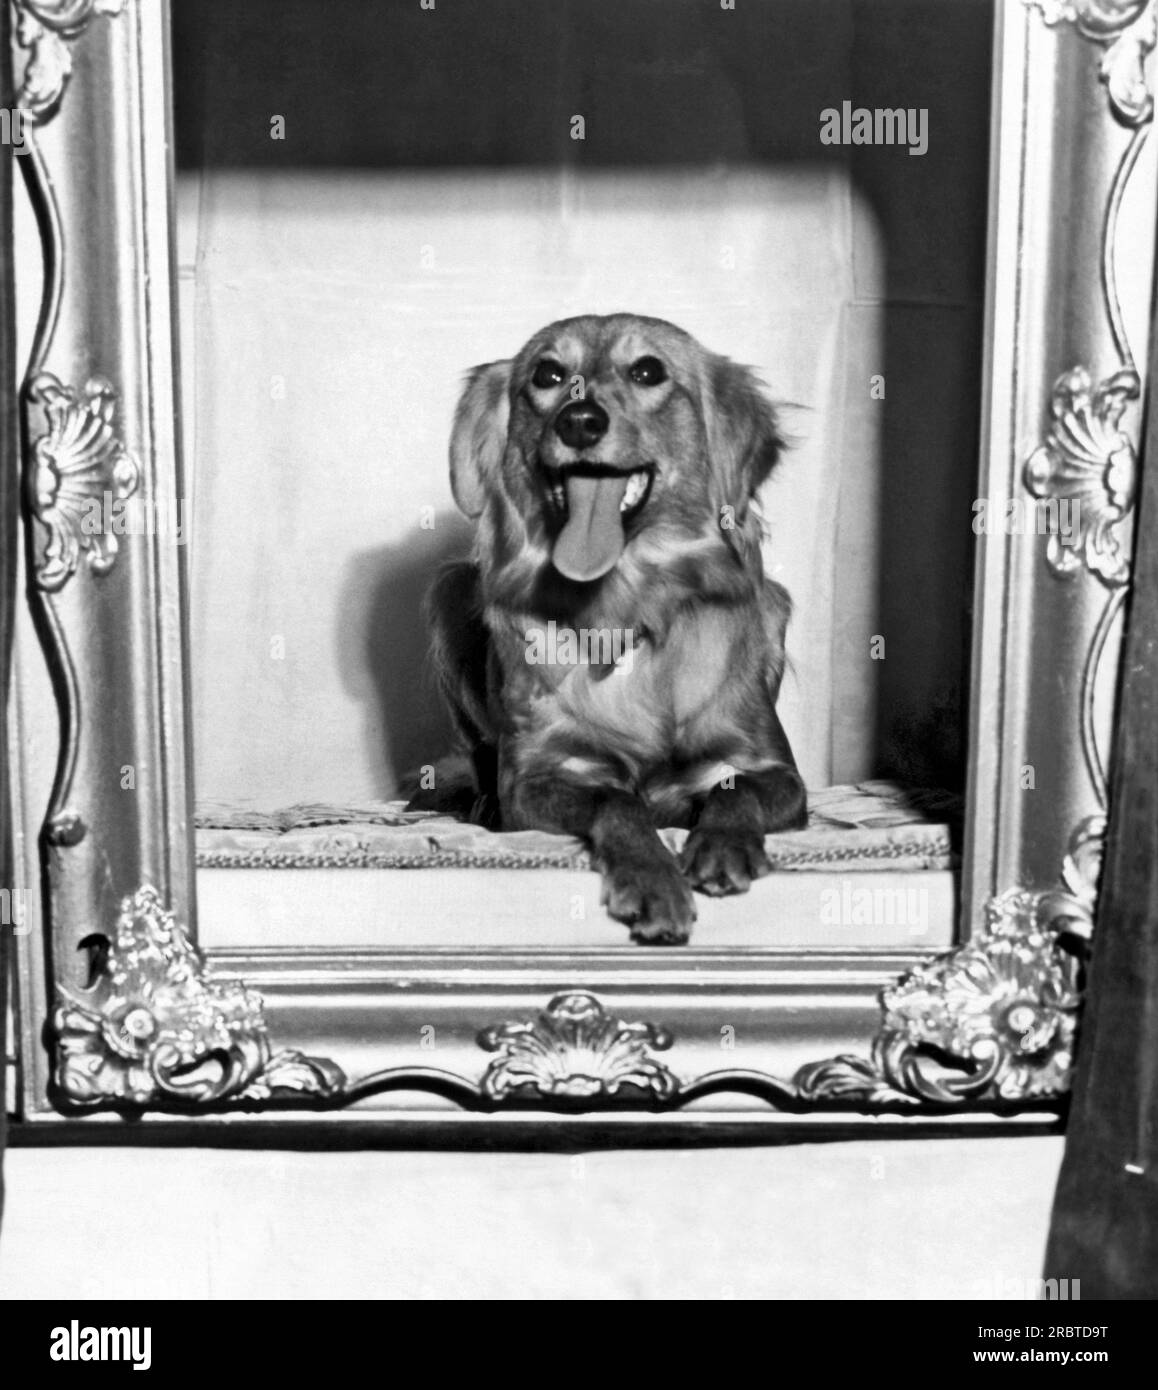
[581, 424]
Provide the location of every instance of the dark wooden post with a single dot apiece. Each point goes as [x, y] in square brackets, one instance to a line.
[1105, 1217]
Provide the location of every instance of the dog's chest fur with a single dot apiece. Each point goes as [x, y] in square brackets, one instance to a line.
[649, 724]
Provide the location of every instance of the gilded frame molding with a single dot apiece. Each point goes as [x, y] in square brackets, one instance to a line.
[121, 1015]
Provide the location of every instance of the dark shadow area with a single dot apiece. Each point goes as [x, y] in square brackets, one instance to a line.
[556, 1134]
[933, 219]
[383, 596]
[385, 84]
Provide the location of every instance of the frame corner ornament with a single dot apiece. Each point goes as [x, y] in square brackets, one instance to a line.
[78, 464]
[990, 1022]
[158, 1029]
[45, 28]
[576, 1051]
[1126, 30]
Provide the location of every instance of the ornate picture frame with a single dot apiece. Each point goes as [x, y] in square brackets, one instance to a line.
[122, 1016]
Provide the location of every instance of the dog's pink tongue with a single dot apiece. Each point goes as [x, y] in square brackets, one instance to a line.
[592, 540]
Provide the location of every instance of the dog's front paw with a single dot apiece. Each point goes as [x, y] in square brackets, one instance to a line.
[653, 898]
[718, 862]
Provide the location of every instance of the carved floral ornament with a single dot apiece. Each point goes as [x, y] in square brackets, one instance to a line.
[45, 28]
[1001, 1011]
[79, 467]
[158, 1029]
[574, 1050]
[1126, 30]
[1089, 461]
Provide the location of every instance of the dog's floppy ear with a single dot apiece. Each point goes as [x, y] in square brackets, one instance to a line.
[743, 433]
[479, 436]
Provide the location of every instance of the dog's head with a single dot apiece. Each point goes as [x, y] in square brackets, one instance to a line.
[611, 441]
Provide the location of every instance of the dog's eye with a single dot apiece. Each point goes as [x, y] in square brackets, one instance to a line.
[547, 373]
[648, 371]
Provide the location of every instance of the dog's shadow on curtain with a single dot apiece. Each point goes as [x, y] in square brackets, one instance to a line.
[383, 647]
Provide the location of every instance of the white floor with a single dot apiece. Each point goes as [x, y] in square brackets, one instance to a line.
[941, 1219]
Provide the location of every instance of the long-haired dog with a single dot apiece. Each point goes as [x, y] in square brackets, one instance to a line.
[613, 652]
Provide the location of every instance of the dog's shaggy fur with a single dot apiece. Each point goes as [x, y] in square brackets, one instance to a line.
[612, 467]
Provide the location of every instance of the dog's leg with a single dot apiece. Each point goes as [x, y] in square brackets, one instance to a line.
[725, 851]
[642, 883]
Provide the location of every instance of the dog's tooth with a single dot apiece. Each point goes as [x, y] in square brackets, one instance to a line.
[634, 490]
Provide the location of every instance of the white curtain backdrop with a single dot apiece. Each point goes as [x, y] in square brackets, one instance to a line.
[327, 320]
